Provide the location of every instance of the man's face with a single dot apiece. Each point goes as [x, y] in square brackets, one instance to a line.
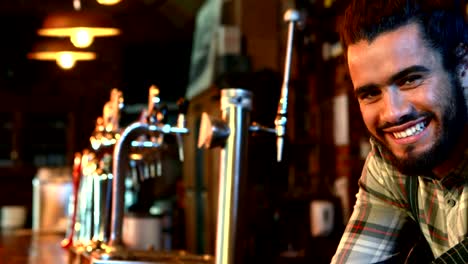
[409, 103]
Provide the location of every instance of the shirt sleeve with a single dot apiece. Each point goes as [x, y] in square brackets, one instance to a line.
[379, 215]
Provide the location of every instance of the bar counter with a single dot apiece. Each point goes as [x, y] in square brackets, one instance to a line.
[28, 247]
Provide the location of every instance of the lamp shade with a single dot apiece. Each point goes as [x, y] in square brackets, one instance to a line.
[108, 2]
[80, 27]
[61, 51]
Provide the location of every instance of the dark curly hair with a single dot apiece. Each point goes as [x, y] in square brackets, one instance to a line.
[442, 23]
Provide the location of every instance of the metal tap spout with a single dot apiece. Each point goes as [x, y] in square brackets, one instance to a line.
[119, 165]
[292, 17]
[146, 134]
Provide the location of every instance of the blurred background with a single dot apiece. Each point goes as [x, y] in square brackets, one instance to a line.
[191, 49]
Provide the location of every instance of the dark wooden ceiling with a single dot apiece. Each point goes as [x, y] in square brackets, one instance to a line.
[154, 48]
[140, 20]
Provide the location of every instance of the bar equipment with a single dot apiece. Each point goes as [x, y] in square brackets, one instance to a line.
[67, 242]
[92, 182]
[103, 142]
[230, 133]
[83, 234]
[140, 139]
[135, 151]
[141, 142]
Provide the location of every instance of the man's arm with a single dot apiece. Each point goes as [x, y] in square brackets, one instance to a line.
[374, 231]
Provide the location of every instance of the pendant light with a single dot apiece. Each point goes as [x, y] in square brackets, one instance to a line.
[80, 26]
[61, 51]
[108, 2]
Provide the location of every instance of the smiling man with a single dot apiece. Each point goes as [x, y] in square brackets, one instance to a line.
[408, 62]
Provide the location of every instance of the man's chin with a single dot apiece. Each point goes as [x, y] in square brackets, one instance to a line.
[411, 163]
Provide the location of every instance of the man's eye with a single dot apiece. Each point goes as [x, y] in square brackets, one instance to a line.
[410, 81]
[370, 95]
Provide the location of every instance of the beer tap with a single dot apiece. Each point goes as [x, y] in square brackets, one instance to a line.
[67, 242]
[102, 184]
[292, 17]
[230, 133]
[85, 202]
[181, 123]
[107, 126]
[157, 114]
[154, 128]
[92, 180]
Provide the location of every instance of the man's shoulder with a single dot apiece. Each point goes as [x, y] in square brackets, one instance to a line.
[378, 168]
[379, 157]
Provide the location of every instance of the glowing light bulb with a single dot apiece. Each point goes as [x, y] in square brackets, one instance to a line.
[65, 60]
[81, 38]
[108, 2]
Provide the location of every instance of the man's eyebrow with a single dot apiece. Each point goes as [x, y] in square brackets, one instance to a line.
[397, 76]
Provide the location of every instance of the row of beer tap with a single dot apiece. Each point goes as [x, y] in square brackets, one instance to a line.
[99, 172]
[116, 154]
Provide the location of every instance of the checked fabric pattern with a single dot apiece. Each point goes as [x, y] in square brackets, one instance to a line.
[383, 209]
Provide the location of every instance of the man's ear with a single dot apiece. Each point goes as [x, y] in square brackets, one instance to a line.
[462, 67]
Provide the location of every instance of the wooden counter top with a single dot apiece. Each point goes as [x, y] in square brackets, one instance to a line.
[28, 247]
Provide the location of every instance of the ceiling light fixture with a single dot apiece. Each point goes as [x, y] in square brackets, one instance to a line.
[81, 27]
[108, 2]
[60, 51]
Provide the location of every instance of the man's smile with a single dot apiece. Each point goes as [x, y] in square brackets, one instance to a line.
[409, 132]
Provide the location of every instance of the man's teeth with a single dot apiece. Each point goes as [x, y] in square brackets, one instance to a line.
[411, 131]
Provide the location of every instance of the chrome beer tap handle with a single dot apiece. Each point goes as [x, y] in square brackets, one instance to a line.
[107, 126]
[111, 111]
[256, 127]
[181, 123]
[213, 132]
[96, 139]
[292, 17]
[153, 105]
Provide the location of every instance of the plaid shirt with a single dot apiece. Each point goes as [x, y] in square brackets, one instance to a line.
[382, 209]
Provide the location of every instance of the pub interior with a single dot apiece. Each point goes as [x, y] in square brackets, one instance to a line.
[118, 159]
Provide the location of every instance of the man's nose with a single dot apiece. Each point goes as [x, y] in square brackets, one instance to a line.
[395, 105]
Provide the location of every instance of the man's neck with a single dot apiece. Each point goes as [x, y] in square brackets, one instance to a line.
[455, 157]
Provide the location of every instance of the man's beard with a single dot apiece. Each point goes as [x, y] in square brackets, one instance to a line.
[453, 120]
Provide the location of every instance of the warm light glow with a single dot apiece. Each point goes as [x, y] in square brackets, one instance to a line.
[88, 170]
[81, 38]
[108, 2]
[81, 27]
[66, 32]
[135, 156]
[65, 60]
